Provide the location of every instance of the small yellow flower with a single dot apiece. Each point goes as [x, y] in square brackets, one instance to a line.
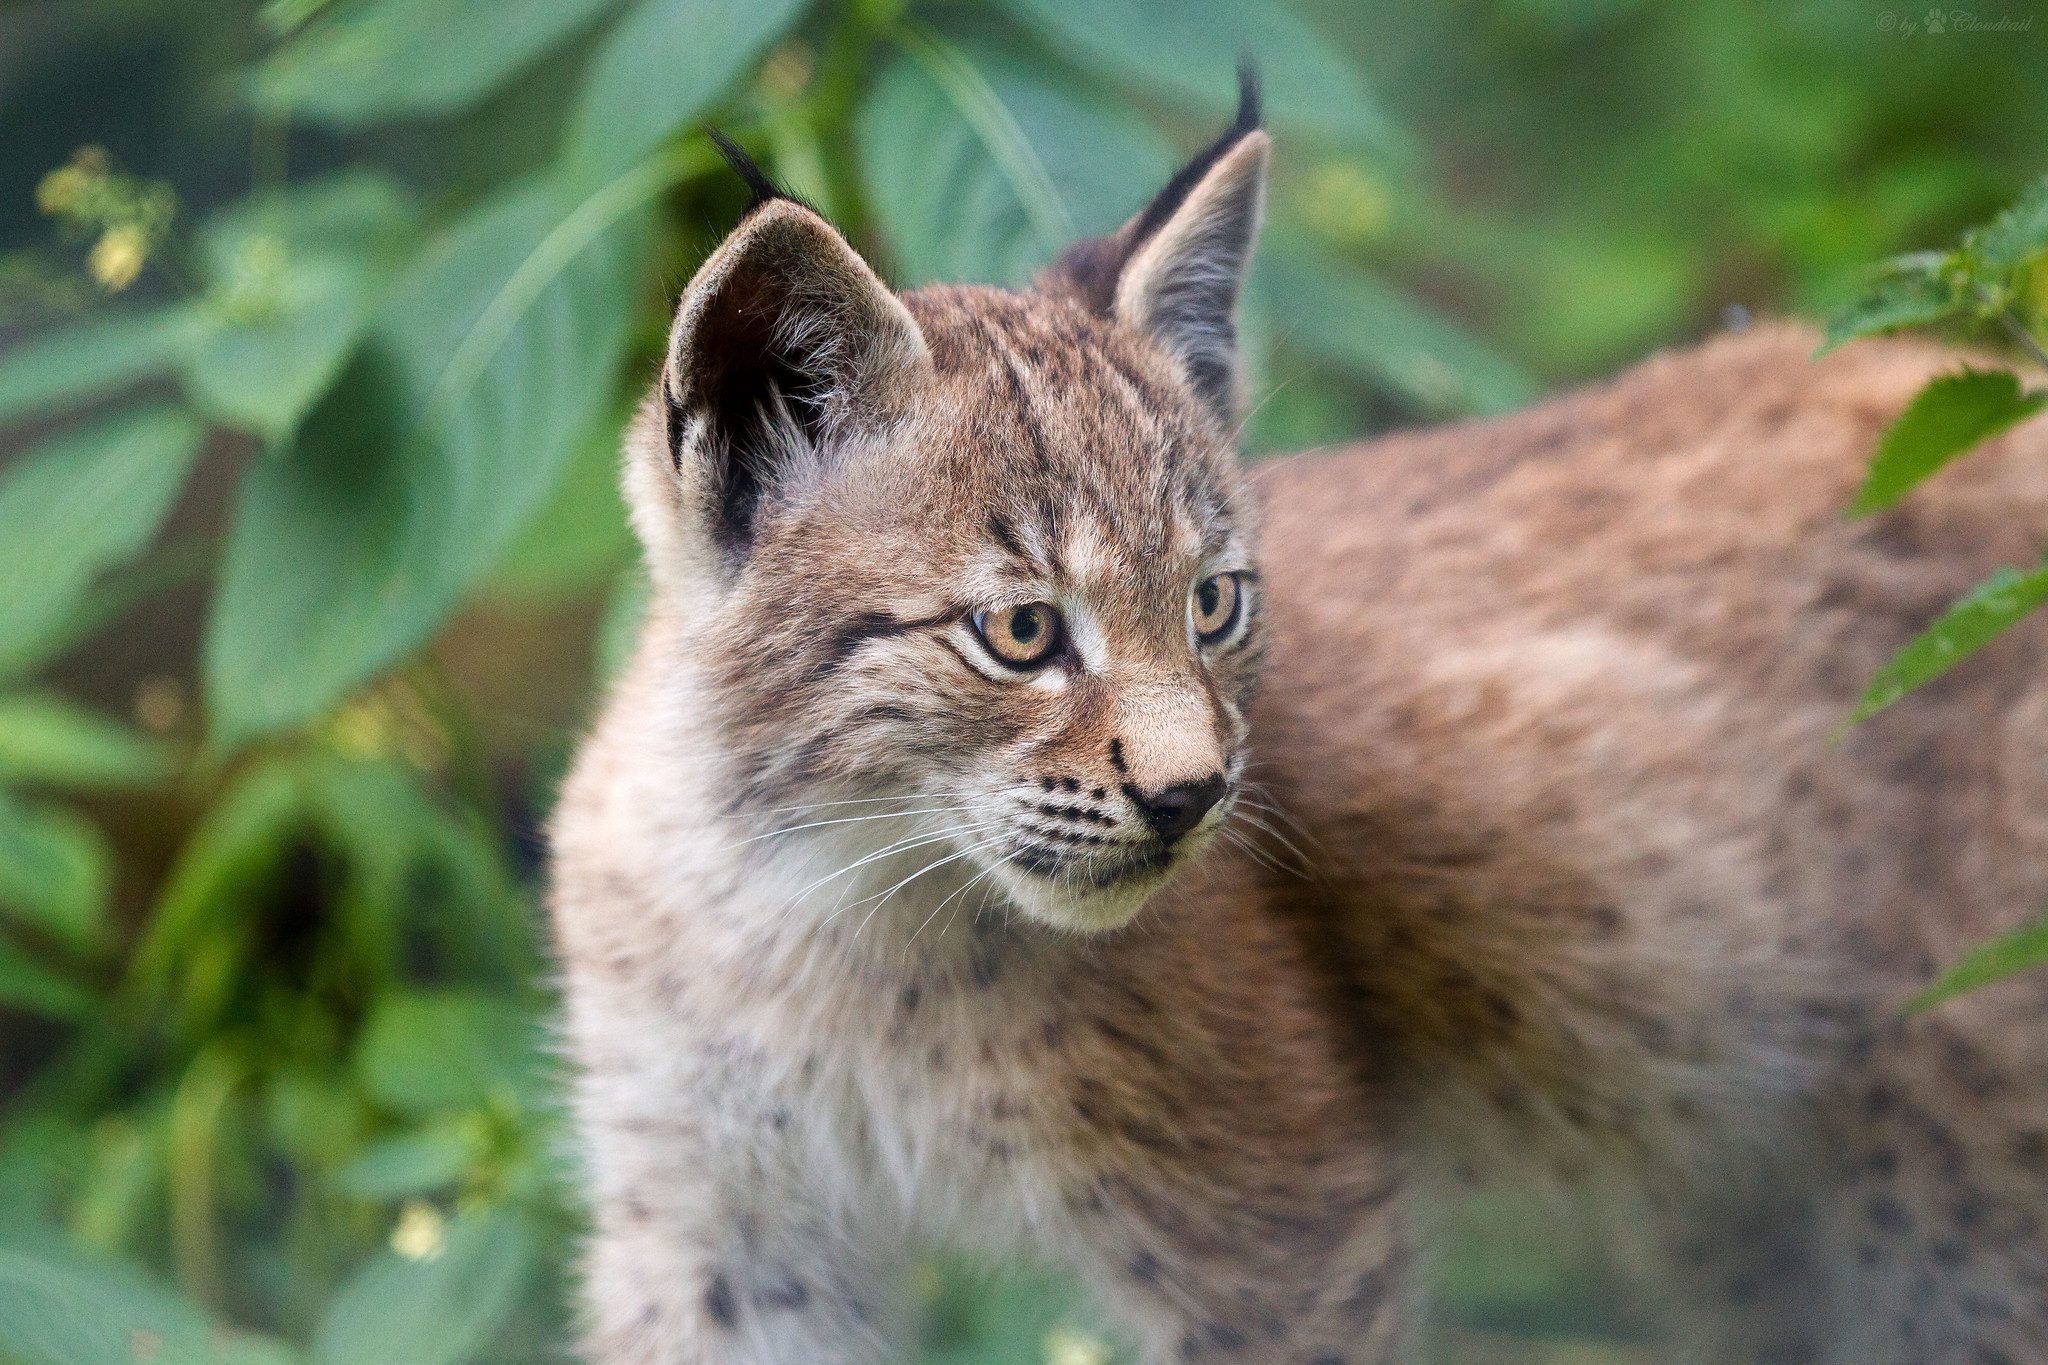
[421, 1234]
[118, 257]
[61, 190]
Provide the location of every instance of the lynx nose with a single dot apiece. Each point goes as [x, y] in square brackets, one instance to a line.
[1173, 811]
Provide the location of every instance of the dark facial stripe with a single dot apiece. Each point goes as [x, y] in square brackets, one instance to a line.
[877, 625]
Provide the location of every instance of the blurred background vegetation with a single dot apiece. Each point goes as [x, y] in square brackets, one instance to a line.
[318, 319]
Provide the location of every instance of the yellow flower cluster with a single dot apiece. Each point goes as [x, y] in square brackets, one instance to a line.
[130, 217]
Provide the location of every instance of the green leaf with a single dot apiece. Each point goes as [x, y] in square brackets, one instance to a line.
[221, 869]
[1961, 631]
[424, 1052]
[294, 276]
[45, 739]
[408, 482]
[1947, 417]
[380, 59]
[59, 1307]
[67, 368]
[1189, 49]
[660, 69]
[26, 984]
[980, 168]
[1346, 318]
[1906, 298]
[413, 874]
[56, 871]
[437, 1311]
[2015, 235]
[580, 539]
[417, 1163]
[79, 503]
[2019, 950]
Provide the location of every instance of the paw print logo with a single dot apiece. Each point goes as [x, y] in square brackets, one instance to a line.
[1935, 22]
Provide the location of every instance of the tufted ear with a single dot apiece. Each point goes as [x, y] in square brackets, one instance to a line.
[1174, 272]
[785, 346]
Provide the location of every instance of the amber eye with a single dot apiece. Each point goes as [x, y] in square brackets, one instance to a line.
[1216, 604]
[1020, 636]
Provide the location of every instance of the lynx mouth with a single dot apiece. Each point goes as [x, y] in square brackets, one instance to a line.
[1052, 865]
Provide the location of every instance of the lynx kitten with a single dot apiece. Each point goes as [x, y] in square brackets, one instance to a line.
[991, 848]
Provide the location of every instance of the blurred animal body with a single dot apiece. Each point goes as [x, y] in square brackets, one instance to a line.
[992, 848]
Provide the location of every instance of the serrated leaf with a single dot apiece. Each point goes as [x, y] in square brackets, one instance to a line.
[428, 1051]
[956, 148]
[1911, 298]
[2020, 950]
[45, 739]
[75, 505]
[1346, 318]
[437, 1311]
[381, 59]
[659, 69]
[417, 1163]
[67, 368]
[1947, 417]
[1961, 631]
[2017, 234]
[408, 482]
[56, 871]
[1189, 49]
[26, 984]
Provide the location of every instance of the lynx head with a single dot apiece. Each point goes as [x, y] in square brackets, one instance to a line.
[980, 559]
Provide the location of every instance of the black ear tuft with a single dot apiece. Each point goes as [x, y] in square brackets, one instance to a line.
[763, 190]
[1090, 267]
[1168, 201]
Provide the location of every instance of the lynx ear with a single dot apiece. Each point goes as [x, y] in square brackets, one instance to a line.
[785, 345]
[1173, 272]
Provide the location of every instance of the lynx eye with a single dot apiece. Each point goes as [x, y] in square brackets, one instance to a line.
[1216, 603]
[1020, 636]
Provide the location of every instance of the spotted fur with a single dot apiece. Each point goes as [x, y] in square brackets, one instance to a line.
[1530, 860]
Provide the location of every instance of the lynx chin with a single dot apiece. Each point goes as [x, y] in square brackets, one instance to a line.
[990, 848]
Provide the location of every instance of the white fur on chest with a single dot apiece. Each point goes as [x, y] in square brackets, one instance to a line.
[871, 1039]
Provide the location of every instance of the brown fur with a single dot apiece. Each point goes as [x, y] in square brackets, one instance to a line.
[1538, 862]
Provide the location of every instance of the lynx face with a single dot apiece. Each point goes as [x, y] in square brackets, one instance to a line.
[968, 575]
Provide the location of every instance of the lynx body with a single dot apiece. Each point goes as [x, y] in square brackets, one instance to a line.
[992, 848]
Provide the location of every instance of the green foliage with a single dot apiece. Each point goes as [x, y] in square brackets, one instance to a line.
[2020, 950]
[959, 152]
[1988, 278]
[1961, 631]
[366, 62]
[411, 480]
[660, 69]
[1946, 418]
[283, 932]
[79, 504]
[437, 1306]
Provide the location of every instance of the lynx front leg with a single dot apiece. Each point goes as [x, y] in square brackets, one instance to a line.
[696, 1261]
[1278, 1276]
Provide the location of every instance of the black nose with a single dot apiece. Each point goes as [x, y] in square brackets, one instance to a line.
[1173, 811]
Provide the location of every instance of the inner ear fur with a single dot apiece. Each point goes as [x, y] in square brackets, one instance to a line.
[1173, 273]
[785, 344]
